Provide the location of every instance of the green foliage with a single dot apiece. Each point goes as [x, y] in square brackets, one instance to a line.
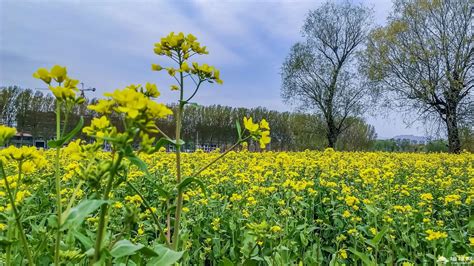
[436, 146]
[419, 62]
[165, 256]
[74, 217]
[67, 137]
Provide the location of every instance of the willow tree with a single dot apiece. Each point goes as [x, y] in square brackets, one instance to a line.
[320, 73]
[423, 58]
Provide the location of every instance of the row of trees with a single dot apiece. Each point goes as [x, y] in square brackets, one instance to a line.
[437, 145]
[420, 62]
[33, 112]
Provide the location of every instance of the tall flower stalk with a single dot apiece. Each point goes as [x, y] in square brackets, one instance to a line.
[180, 48]
[103, 211]
[137, 110]
[65, 94]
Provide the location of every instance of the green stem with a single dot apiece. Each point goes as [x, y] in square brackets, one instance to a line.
[74, 195]
[218, 158]
[66, 118]
[155, 218]
[58, 184]
[104, 208]
[9, 247]
[179, 199]
[17, 217]
[195, 91]
[20, 165]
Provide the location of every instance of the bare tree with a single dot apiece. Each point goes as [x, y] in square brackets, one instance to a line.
[7, 104]
[320, 73]
[423, 60]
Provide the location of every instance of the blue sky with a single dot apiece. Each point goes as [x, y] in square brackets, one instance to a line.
[108, 44]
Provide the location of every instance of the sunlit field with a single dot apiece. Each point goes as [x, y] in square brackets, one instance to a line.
[127, 140]
[272, 208]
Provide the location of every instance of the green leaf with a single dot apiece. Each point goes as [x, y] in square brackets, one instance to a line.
[135, 160]
[226, 262]
[124, 248]
[165, 194]
[85, 241]
[377, 238]
[164, 141]
[189, 180]
[176, 143]
[148, 252]
[470, 225]
[365, 258]
[304, 240]
[161, 143]
[75, 216]
[165, 257]
[239, 130]
[138, 162]
[68, 136]
[4, 242]
[371, 209]
[53, 221]
[333, 260]
[374, 242]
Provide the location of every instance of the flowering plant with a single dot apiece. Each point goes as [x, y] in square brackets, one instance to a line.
[127, 121]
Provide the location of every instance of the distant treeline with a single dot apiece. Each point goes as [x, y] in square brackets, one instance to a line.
[438, 145]
[32, 111]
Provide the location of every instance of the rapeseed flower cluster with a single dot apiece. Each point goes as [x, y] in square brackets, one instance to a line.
[25, 155]
[435, 235]
[136, 106]
[180, 48]
[258, 131]
[6, 133]
[67, 87]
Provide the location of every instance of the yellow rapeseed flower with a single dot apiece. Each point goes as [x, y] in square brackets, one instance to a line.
[343, 254]
[275, 229]
[43, 74]
[435, 235]
[58, 73]
[250, 125]
[6, 133]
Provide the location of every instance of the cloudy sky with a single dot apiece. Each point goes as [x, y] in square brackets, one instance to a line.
[108, 44]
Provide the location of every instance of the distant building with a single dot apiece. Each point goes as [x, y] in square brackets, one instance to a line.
[26, 139]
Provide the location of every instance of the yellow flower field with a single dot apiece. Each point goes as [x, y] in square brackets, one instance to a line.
[276, 208]
[76, 204]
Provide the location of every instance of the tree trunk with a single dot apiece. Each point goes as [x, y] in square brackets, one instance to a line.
[454, 144]
[332, 140]
[331, 133]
